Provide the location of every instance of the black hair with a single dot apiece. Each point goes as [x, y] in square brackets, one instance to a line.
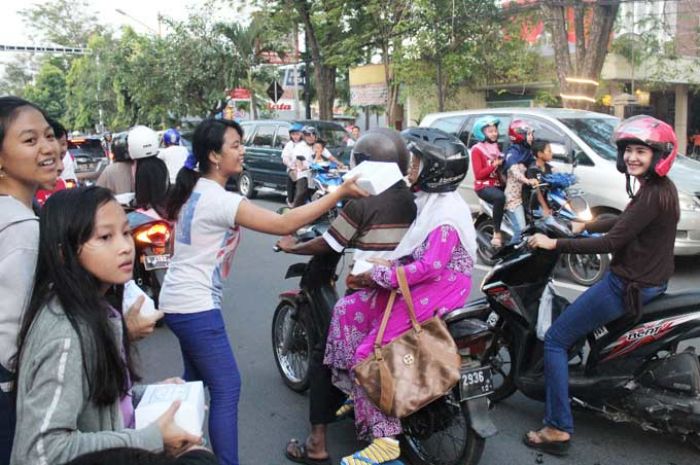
[9, 109]
[152, 183]
[208, 137]
[662, 188]
[58, 129]
[66, 222]
[320, 141]
[538, 145]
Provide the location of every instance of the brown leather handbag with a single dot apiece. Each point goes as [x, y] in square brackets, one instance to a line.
[414, 369]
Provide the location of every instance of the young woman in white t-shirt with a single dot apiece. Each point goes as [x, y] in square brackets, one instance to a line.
[206, 237]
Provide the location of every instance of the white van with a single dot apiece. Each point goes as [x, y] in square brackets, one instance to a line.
[585, 137]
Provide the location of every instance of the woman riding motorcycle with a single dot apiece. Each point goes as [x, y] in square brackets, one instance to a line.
[641, 241]
[486, 162]
[438, 254]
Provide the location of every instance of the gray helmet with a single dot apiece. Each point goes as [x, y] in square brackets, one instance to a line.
[381, 144]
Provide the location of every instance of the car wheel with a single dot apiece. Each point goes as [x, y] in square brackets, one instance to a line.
[246, 186]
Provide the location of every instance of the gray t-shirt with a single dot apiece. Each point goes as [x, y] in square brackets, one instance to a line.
[19, 247]
[118, 178]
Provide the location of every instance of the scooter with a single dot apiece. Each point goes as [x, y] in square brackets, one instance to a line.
[642, 372]
[450, 431]
[584, 269]
[153, 240]
[325, 178]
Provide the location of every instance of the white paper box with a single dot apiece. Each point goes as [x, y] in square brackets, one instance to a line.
[159, 397]
[131, 292]
[375, 176]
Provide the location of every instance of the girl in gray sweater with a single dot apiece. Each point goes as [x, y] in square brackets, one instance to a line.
[74, 372]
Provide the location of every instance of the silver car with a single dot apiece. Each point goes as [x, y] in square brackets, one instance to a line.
[582, 143]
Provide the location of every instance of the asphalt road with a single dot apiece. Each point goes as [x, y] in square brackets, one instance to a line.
[270, 413]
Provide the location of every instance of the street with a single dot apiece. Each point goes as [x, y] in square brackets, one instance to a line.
[270, 413]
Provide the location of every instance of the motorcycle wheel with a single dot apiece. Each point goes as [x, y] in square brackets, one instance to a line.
[291, 345]
[440, 434]
[500, 357]
[484, 233]
[586, 269]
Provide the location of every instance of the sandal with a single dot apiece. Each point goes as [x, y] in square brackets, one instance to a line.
[383, 451]
[558, 448]
[303, 454]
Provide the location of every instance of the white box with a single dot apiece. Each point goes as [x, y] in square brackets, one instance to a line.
[159, 397]
[131, 292]
[375, 176]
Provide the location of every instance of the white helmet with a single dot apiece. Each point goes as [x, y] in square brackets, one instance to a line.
[142, 142]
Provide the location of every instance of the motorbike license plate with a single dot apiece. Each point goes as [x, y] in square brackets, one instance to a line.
[156, 262]
[476, 382]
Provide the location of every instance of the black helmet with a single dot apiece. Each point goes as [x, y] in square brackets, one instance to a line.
[444, 157]
[120, 148]
[381, 144]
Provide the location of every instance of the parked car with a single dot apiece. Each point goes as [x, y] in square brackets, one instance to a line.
[264, 141]
[581, 142]
[90, 158]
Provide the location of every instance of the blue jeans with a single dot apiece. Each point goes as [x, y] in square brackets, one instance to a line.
[517, 222]
[599, 305]
[208, 357]
[7, 418]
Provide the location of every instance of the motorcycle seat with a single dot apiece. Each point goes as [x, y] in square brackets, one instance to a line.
[670, 303]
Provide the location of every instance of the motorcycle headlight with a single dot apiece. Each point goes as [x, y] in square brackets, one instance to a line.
[688, 202]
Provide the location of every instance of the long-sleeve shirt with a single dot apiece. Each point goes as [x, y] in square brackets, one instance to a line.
[641, 239]
[56, 420]
[485, 173]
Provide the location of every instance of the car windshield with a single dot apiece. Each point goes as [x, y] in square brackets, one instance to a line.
[86, 148]
[334, 136]
[596, 132]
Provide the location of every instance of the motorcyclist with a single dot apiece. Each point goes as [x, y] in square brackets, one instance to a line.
[518, 158]
[311, 136]
[641, 241]
[487, 160]
[371, 225]
[174, 154]
[296, 147]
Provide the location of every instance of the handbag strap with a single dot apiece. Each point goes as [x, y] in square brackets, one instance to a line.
[406, 293]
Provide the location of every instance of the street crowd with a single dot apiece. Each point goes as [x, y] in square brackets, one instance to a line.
[67, 373]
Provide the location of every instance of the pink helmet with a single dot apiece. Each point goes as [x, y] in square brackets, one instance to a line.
[654, 133]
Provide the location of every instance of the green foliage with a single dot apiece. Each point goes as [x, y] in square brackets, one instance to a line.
[49, 90]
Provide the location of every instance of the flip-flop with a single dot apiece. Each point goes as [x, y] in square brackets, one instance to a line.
[303, 456]
[558, 448]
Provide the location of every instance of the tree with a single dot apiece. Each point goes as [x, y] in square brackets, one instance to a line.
[62, 22]
[592, 25]
[17, 76]
[49, 90]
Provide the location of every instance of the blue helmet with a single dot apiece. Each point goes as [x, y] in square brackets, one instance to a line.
[171, 137]
[481, 123]
[296, 127]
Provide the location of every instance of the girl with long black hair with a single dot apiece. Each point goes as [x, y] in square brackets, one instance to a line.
[74, 371]
[28, 160]
[206, 237]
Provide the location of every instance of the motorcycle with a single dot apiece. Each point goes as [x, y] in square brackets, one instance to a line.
[449, 431]
[326, 177]
[584, 269]
[153, 243]
[641, 372]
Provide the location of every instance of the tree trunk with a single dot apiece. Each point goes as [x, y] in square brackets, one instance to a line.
[253, 102]
[590, 50]
[325, 75]
[440, 87]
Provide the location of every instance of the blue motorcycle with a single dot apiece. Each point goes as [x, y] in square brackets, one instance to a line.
[325, 178]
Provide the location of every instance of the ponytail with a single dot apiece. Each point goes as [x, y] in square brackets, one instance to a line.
[184, 185]
[208, 137]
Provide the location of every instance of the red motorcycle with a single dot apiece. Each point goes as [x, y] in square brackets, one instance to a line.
[153, 240]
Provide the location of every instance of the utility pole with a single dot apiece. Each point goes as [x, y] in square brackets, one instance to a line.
[307, 77]
[295, 73]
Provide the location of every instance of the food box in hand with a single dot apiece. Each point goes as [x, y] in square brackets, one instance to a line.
[131, 292]
[375, 176]
[159, 397]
